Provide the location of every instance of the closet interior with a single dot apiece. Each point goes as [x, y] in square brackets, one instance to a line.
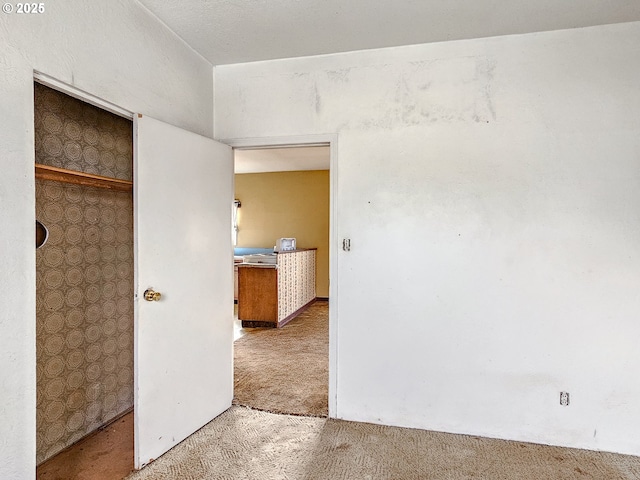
[84, 269]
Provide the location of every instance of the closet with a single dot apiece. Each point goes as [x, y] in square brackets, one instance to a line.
[84, 269]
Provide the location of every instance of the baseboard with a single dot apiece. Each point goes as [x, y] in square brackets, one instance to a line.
[288, 318]
[281, 323]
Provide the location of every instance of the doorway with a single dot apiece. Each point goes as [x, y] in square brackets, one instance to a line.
[84, 289]
[285, 192]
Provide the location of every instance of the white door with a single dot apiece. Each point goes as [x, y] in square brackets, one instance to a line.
[183, 198]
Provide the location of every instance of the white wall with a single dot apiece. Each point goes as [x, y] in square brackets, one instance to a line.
[491, 191]
[120, 53]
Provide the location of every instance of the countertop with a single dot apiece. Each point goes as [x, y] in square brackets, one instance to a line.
[297, 250]
[268, 265]
[256, 265]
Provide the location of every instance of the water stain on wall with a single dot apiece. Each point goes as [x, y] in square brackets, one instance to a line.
[452, 90]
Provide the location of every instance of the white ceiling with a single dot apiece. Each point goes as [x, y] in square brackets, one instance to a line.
[281, 159]
[236, 31]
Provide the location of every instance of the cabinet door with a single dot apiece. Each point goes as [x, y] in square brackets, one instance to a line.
[258, 294]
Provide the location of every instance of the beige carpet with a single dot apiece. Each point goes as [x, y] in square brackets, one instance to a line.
[285, 370]
[250, 444]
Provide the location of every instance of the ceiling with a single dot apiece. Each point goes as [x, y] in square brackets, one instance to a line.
[236, 31]
[281, 159]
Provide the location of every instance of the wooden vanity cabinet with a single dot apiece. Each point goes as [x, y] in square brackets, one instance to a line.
[272, 295]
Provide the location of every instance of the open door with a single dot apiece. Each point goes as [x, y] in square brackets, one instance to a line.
[183, 199]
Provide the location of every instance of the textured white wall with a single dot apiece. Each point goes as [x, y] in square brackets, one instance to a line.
[491, 191]
[118, 52]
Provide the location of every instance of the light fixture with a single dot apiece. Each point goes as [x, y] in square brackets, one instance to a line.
[234, 232]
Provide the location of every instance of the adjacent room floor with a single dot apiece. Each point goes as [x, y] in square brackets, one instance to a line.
[285, 370]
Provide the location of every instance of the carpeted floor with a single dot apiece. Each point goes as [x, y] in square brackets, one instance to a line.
[250, 444]
[285, 370]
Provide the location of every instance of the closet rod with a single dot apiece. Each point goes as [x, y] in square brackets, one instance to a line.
[46, 172]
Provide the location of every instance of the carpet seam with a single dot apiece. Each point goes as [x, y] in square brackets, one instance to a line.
[258, 409]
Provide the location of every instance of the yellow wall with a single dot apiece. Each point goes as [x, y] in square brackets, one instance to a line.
[287, 204]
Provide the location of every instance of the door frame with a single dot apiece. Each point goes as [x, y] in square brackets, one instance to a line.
[86, 97]
[308, 141]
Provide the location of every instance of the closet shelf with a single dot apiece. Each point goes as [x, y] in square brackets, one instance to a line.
[46, 172]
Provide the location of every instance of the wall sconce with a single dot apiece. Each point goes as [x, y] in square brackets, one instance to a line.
[234, 233]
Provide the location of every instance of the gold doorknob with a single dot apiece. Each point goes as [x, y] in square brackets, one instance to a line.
[150, 295]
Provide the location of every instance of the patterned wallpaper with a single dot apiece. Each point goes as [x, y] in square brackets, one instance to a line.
[78, 136]
[296, 281]
[84, 273]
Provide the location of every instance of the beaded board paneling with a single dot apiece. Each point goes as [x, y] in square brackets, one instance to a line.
[84, 273]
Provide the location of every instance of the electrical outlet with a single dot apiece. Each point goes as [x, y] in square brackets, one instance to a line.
[564, 399]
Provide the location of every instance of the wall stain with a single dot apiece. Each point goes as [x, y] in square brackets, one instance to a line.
[318, 99]
[340, 76]
[486, 69]
[436, 91]
[384, 97]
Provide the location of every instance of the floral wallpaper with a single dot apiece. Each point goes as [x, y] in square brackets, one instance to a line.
[296, 281]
